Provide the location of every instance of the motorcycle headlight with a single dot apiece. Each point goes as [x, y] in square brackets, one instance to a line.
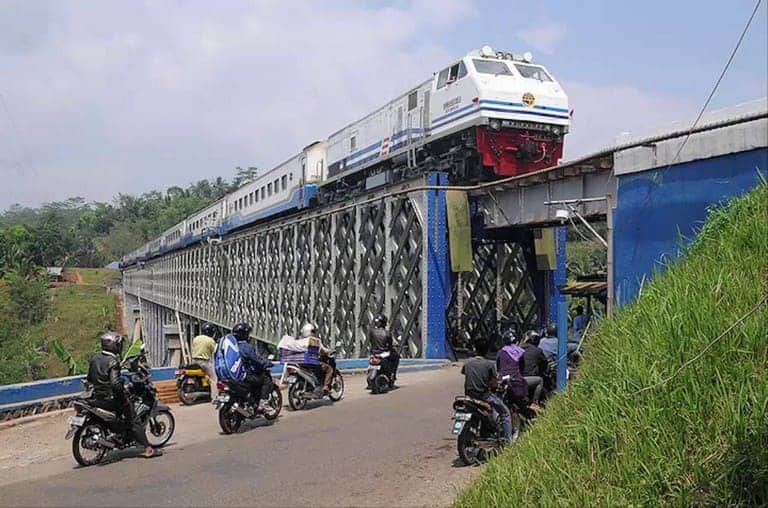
[495, 124]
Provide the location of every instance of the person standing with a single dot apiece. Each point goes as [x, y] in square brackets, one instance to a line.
[203, 347]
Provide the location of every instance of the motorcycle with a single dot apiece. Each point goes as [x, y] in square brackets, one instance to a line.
[478, 428]
[235, 403]
[95, 430]
[478, 425]
[380, 378]
[304, 384]
[192, 384]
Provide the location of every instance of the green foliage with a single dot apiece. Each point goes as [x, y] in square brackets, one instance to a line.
[76, 233]
[635, 430]
[61, 352]
[24, 306]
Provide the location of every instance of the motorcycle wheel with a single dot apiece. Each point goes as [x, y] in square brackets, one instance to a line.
[85, 452]
[296, 401]
[274, 403]
[469, 451]
[160, 428]
[184, 396]
[229, 420]
[337, 387]
[380, 384]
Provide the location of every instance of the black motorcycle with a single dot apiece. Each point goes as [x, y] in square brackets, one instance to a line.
[96, 430]
[235, 403]
[478, 425]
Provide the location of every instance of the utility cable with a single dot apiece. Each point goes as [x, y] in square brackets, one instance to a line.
[733, 325]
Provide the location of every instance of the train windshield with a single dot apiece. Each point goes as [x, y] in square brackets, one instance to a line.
[532, 72]
[494, 67]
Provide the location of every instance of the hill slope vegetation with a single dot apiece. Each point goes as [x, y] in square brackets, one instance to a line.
[662, 412]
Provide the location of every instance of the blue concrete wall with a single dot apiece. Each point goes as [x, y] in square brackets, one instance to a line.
[659, 211]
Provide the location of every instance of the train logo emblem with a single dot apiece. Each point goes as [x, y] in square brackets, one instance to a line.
[529, 99]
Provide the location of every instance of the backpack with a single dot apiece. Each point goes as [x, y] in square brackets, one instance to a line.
[227, 361]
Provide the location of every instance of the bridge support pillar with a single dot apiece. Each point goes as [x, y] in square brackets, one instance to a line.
[558, 307]
[437, 289]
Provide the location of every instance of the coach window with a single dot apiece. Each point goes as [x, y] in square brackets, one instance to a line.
[277, 185]
[290, 176]
[251, 201]
[353, 142]
[269, 189]
[284, 182]
[263, 194]
[413, 100]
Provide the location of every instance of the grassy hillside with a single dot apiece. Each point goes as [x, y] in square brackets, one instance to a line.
[79, 314]
[635, 429]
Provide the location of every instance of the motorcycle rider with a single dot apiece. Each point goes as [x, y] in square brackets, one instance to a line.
[480, 381]
[381, 342]
[534, 365]
[257, 378]
[109, 392]
[549, 344]
[203, 347]
[309, 332]
[508, 363]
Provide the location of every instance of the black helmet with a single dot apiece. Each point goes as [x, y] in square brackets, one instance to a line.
[551, 330]
[242, 331]
[509, 337]
[380, 321]
[209, 329]
[532, 337]
[112, 342]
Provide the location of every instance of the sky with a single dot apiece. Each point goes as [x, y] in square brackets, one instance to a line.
[100, 97]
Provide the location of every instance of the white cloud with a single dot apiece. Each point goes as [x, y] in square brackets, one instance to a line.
[603, 112]
[112, 97]
[544, 35]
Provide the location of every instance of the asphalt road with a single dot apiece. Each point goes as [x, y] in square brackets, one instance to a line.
[386, 450]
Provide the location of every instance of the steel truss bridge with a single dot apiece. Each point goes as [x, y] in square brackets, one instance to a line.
[385, 251]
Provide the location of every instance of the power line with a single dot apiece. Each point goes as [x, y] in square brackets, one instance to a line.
[717, 84]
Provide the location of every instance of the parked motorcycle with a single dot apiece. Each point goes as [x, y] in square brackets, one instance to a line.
[192, 384]
[304, 384]
[380, 378]
[235, 403]
[95, 430]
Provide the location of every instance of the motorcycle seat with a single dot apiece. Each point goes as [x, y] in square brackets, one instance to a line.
[481, 404]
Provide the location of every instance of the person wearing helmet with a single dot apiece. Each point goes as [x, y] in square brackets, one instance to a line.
[258, 377]
[309, 333]
[549, 344]
[534, 365]
[508, 361]
[108, 390]
[203, 347]
[381, 341]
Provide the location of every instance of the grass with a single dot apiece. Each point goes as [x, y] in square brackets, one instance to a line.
[101, 276]
[620, 435]
[79, 314]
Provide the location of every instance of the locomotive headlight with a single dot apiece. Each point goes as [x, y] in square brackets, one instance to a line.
[495, 124]
[556, 131]
[487, 51]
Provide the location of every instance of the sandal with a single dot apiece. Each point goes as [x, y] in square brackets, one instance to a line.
[155, 453]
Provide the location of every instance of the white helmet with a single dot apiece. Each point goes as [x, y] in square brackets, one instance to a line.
[308, 330]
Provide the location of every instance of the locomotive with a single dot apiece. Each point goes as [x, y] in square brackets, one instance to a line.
[490, 114]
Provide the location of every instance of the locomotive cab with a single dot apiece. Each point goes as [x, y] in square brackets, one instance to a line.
[519, 111]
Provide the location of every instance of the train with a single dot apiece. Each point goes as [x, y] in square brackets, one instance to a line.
[490, 114]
